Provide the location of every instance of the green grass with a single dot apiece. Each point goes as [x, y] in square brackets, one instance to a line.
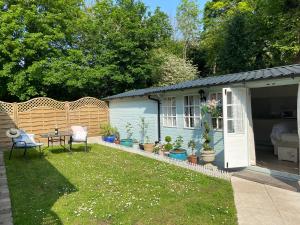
[108, 186]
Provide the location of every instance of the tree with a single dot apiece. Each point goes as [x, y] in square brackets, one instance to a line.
[188, 22]
[174, 69]
[32, 34]
[245, 35]
[119, 39]
[66, 51]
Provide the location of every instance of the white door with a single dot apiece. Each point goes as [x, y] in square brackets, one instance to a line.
[235, 127]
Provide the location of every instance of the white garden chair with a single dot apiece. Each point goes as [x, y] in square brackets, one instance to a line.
[23, 140]
[79, 134]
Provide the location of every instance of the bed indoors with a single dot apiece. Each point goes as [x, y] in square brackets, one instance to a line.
[274, 112]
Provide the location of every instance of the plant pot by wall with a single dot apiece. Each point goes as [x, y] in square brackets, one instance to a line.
[193, 159]
[109, 139]
[126, 142]
[141, 146]
[178, 154]
[148, 147]
[208, 156]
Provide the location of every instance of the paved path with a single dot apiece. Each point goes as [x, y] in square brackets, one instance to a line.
[5, 206]
[262, 204]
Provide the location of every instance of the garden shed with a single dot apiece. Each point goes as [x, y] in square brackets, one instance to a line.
[258, 125]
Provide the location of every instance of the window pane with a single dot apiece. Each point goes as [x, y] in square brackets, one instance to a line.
[186, 100]
[173, 111]
[229, 112]
[220, 123]
[191, 100]
[174, 121]
[192, 122]
[219, 97]
[213, 97]
[173, 101]
[214, 123]
[164, 121]
[197, 111]
[229, 97]
[192, 111]
[186, 122]
[169, 123]
[230, 126]
[196, 100]
[197, 122]
[186, 111]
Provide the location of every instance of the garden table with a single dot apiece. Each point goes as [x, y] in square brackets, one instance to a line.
[60, 137]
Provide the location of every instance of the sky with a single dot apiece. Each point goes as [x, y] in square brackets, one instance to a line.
[168, 6]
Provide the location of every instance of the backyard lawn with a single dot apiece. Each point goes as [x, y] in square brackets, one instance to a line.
[108, 186]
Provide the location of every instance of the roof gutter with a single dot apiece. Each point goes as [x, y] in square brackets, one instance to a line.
[158, 116]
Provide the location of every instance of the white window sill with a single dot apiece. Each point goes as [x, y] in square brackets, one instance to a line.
[169, 126]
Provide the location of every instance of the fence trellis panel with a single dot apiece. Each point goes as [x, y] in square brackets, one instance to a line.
[41, 115]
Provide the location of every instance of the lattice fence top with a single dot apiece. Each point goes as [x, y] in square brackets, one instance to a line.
[87, 101]
[6, 107]
[40, 102]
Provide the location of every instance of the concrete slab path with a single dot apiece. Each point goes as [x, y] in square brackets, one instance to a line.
[5, 205]
[262, 204]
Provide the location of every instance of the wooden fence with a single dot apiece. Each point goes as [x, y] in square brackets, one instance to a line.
[42, 115]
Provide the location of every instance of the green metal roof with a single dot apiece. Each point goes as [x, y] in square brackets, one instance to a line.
[263, 74]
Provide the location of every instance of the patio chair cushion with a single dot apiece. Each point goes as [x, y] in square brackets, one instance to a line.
[79, 133]
[26, 138]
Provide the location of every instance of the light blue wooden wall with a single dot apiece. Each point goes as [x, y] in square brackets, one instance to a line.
[131, 109]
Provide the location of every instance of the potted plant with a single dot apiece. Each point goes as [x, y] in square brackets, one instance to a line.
[128, 141]
[156, 148]
[178, 152]
[108, 133]
[143, 126]
[168, 146]
[208, 109]
[192, 158]
[148, 147]
[117, 138]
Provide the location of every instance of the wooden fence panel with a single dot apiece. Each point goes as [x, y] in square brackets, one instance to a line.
[42, 115]
[88, 112]
[6, 120]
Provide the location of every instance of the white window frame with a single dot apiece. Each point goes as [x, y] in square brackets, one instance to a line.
[194, 117]
[218, 123]
[166, 105]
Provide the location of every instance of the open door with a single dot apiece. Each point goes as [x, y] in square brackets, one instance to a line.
[235, 127]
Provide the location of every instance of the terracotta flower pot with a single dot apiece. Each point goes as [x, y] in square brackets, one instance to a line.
[148, 147]
[193, 159]
[208, 156]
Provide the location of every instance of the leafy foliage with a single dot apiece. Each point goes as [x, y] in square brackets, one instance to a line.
[66, 51]
[244, 35]
[187, 17]
[174, 69]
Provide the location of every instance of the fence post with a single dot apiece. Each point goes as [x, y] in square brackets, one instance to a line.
[67, 108]
[15, 114]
